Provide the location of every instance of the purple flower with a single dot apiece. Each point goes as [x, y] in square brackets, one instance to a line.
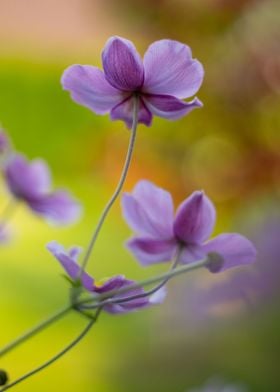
[30, 182]
[149, 212]
[167, 74]
[68, 260]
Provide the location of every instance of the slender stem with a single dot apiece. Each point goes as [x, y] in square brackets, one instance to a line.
[57, 356]
[33, 331]
[149, 292]
[157, 287]
[119, 186]
[106, 298]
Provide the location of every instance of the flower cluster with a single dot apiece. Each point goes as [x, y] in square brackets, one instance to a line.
[134, 91]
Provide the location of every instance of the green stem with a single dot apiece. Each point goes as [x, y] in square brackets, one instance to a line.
[119, 186]
[106, 298]
[149, 292]
[57, 356]
[33, 331]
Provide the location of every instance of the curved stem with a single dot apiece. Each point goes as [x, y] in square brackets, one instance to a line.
[157, 287]
[57, 356]
[119, 186]
[33, 331]
[106, 298]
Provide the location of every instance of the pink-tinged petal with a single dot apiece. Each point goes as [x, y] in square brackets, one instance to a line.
[235, 250]
[88, 87]
[169, 107]
[58, 208]
[124, 111]
[122, 64]
[70, 266]
[149, 210]
[191, 253]
[151, 251]
[170, 69]
[27, 179]
[195, 219]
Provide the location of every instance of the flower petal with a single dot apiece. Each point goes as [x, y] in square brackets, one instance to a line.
[27, 179]
[195, 219]
[149, 210]
[151, 251]
[170, 107]
[88, 87]
[71, 267]
[170, 69]
[122, 64]
[124, 111]
[158, 297]
[118, 282]
[191, 253]
[234, 248]
[58, 208]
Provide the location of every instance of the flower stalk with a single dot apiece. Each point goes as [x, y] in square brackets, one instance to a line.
[119, 186]
[60, 354]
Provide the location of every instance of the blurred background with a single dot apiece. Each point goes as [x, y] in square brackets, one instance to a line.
[227, 325]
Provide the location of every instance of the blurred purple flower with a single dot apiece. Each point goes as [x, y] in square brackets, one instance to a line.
[167, 74]
[4, 141]
[149, 211]
[68, 260]
[257, 286]
[4, 234]
[31, 181]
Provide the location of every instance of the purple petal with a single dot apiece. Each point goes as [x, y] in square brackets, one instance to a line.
[149, 210]
[170, 69]
[158, 297]
[88, 87]
[27, 180]
[113, 283]
[234, 248]
[124, 111]
[71, 267]
[118, 282]
[169, 107]
[74, 252]
[151, 251]
[58, 208]
[122, 64]
[191, 253]
[195, 219]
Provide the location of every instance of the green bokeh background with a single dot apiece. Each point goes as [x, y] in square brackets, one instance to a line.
[230, 149]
